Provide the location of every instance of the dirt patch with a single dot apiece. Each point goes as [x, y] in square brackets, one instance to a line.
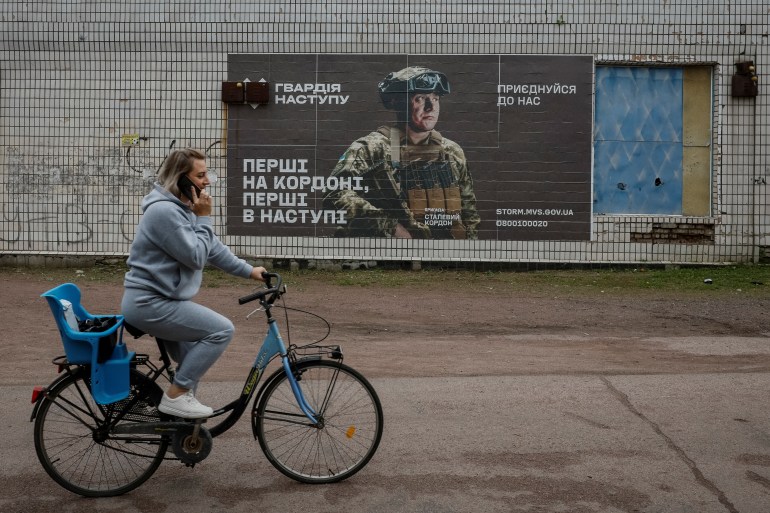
[442, 330]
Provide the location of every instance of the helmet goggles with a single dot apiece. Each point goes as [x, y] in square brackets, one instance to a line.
[428, 83]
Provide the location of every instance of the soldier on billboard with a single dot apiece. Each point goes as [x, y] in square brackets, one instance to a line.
[414, 183]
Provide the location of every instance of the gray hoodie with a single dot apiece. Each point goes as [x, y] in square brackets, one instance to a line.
[172, 246]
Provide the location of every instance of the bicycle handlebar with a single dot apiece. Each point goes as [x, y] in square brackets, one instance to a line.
[269, 290]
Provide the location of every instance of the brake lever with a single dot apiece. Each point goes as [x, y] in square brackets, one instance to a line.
[261, 308]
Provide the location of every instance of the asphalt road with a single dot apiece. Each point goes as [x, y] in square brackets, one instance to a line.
[584, 442]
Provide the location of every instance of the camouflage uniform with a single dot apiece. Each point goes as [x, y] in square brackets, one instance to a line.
[427, 188]
[385, 202]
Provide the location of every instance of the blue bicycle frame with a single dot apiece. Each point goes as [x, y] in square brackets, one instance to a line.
[273, 345]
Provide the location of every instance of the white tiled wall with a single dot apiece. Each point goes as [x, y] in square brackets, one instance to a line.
[76, 77]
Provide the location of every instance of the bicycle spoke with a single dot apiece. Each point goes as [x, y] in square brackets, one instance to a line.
[347, 436]
[77, 452]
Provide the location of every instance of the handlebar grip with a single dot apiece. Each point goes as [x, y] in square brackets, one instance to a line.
[251, 297]
[269, 288]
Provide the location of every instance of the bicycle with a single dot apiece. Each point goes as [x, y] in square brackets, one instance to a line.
[317, 420]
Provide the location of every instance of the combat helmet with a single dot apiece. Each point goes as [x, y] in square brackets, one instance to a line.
[414, 79]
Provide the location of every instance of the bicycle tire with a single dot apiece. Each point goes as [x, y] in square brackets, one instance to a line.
[86, 460]
[352, 423]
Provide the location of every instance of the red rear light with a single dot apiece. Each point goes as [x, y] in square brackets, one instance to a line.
[36, 393]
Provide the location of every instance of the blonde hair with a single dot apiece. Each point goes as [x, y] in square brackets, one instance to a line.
[178, 163]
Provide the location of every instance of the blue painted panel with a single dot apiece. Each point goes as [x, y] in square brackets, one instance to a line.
[637, 183]
[638, 141]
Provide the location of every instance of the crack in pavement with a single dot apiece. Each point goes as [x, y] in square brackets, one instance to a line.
[699, 477]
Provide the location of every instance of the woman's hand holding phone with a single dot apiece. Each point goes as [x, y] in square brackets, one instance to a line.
[202, 204]
[200, 199]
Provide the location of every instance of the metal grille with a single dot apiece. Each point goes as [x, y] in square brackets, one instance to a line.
[94, 94]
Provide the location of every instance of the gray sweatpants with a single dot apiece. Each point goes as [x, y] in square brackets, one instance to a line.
[201, 335]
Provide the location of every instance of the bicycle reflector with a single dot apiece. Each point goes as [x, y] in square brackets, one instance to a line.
[36, 393]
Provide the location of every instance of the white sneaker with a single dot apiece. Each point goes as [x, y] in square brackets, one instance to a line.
[185, 406]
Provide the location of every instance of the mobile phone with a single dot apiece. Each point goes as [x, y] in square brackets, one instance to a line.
[184, 185]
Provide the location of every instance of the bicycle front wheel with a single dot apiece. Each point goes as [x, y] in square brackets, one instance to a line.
[346, 437]
[75, 447]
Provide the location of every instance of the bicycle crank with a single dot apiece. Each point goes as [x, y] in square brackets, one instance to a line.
[192, 443]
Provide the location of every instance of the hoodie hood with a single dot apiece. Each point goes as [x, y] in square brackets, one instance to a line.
[159, 193]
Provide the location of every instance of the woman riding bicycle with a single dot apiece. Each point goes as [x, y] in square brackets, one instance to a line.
[174, 241]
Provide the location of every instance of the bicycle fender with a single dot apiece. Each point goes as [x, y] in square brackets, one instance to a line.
[36, 407]
[44, 395]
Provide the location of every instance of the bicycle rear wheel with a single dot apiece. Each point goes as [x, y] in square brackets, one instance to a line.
[345, 440]
[74, 445]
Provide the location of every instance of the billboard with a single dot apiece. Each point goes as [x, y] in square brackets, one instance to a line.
[491, 147]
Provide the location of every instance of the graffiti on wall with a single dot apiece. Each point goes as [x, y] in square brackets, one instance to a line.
[81, 199]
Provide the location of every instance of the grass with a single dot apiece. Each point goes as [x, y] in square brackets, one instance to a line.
[749, 279]
[745, 279]
[709, 280]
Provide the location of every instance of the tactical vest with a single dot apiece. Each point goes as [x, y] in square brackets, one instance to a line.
[427, 184]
